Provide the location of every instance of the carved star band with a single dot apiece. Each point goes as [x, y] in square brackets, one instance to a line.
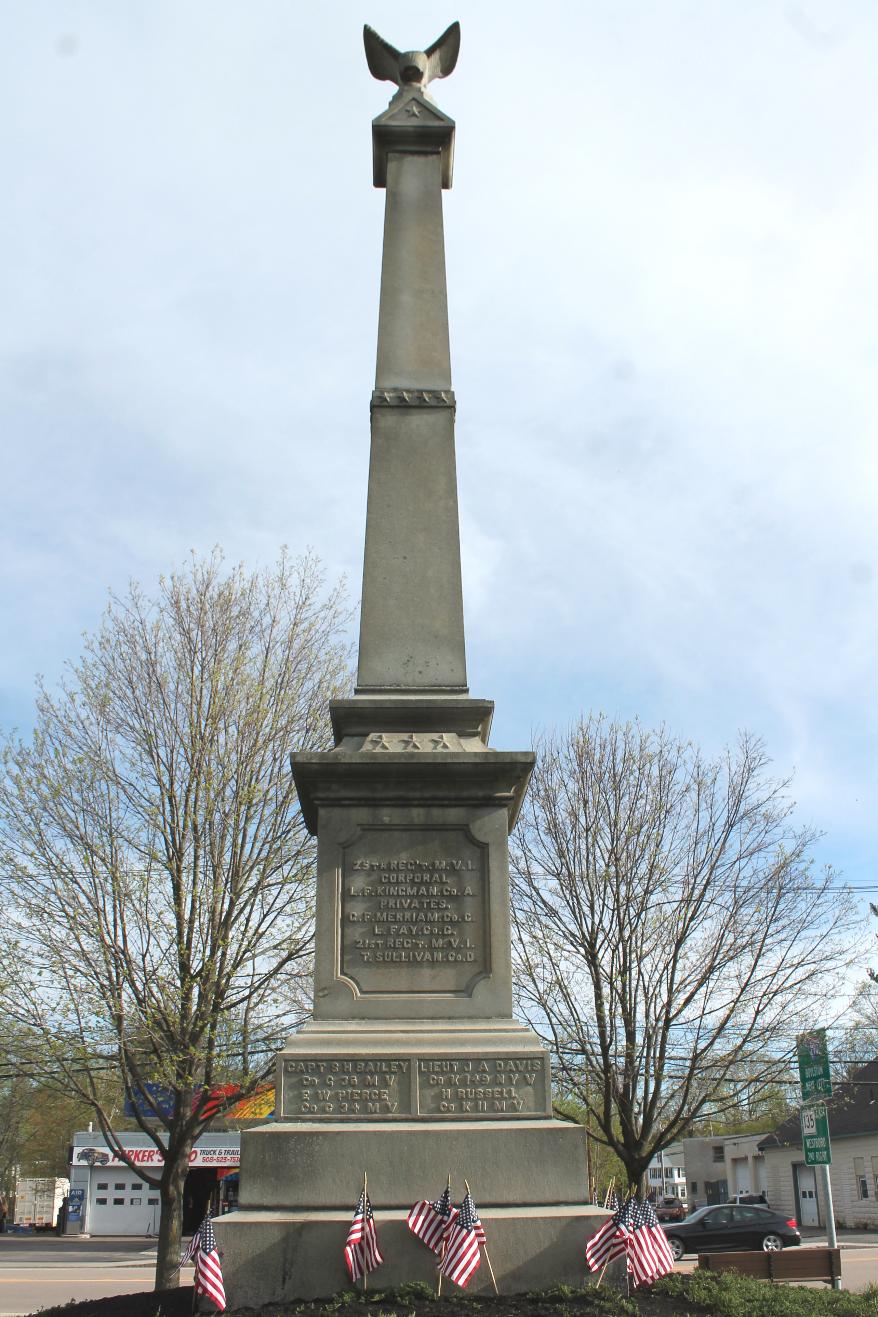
[413, 398]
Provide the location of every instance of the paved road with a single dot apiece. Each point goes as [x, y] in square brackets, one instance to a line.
[41, 1271]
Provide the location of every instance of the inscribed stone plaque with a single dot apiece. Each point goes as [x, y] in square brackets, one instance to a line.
[364, 1088]
[414, 910]
[486, 1086]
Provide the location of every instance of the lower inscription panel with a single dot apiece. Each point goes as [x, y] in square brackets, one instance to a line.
[405, 1087]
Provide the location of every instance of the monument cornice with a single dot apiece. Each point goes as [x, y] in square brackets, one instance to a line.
[363, 714]
[337, 778]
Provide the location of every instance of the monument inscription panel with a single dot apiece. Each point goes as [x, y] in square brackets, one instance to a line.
[414, 911]
[487, 1086]
[362, 1088]
[399, 1088]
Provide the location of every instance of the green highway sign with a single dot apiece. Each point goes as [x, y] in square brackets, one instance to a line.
[815, 1135]
[814, 1064]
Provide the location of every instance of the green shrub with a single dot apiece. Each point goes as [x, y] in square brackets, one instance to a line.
[731, 1295]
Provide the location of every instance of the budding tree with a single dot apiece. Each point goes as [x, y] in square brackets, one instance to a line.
[670, 934]
[156, 873]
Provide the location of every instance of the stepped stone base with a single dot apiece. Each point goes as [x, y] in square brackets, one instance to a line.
[305, 1167]
[279, 1256]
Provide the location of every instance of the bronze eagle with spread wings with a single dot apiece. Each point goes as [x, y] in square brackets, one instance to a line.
[412, 68]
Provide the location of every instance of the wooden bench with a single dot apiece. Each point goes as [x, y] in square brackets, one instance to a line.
[789, 1264]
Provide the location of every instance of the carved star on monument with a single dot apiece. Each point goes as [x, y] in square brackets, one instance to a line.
[378, 741]
[441, 742]
[411, 742]
[413, 108]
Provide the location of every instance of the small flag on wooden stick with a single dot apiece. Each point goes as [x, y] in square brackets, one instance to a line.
[430, 1220]
[204, 1254]
[361, 1253]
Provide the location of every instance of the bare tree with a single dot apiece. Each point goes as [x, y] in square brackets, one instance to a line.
[156, 873]
[670, 935]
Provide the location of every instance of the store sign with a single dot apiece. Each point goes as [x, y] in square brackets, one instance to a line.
[93, 1156]
[815, 1135]
[152, 1102]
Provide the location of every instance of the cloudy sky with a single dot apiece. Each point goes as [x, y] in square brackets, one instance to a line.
[663, 285]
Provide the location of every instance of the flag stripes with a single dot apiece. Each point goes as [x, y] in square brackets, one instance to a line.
[649, 1253]
[633, 1230]
[361, 1253]
[203, 1252]
[462, 1256]
[430, 1220]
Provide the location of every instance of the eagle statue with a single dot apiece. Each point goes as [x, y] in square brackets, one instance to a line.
[412, 68]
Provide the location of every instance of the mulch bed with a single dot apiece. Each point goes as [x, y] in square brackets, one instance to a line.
[589, 1303]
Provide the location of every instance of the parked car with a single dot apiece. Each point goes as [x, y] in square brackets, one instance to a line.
[670, 1209]
[732, 1226]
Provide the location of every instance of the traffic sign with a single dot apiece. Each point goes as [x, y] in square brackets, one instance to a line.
[814, 1064]
[815, 1135]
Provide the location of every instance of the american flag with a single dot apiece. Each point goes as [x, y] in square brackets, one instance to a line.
[361, 1249]
[430, 1221]
[649, 1253]
[611, 1240]
[202, 1250]
[462, 1257]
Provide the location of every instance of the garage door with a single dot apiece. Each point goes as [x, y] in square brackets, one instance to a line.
[122, 1204]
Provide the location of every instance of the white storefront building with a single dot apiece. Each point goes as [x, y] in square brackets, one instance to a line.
[107, 1197]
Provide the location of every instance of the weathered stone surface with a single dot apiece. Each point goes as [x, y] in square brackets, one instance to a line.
[321, 1165]
[411, 623]
[285, 1255]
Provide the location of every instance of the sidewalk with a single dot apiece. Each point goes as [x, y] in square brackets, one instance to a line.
[846, 1238]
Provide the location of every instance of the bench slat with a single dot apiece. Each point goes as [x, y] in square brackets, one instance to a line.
[790, 1264]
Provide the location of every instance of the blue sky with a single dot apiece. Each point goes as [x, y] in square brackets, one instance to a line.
[663, 284]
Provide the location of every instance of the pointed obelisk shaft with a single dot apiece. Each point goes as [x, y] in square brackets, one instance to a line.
[411, 625]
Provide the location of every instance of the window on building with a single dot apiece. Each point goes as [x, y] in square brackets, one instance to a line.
[134, 1202]
[101, 1202]
[120, 1185]
[719, 1154]
[152, 1202]
[118, 1202]
[136, 1188]
[860, 1177]
[104, 1185]
[695, 1186]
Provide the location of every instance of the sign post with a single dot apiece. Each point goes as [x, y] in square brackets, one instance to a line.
[813, 1055]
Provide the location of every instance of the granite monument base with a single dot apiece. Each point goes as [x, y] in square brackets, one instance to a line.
[300, 1182]
[271, 1256]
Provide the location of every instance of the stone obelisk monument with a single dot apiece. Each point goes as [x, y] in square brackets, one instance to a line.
[413, 1066]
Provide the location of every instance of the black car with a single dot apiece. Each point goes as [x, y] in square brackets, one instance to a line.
[732, 1226]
